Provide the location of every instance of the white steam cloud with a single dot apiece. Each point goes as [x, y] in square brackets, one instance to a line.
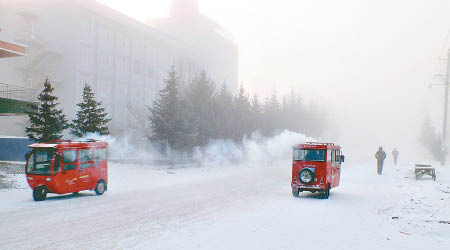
[256, 150]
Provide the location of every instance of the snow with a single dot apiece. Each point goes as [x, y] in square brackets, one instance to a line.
[226, 207]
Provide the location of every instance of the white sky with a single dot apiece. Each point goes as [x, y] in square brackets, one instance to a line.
[368, 62]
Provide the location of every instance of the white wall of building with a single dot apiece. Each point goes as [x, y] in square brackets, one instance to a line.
[77, 42]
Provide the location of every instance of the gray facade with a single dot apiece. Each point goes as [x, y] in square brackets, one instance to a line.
[124, 60]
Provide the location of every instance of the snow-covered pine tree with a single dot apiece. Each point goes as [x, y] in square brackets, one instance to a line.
[91, 116]
[200, 95]
[431, 140]
[166, 115]
[293, 113]
[272, 115]
[223, 113]
[241, 115]
[47, 122]
[256, 111]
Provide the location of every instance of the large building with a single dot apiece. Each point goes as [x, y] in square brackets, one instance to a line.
[214, 50]
[124, 60]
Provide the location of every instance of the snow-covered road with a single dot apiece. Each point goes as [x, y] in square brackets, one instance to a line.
[234, 208]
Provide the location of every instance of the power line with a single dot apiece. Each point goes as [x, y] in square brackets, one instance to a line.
[440, 57]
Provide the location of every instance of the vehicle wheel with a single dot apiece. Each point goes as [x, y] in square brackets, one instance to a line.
[39, 193]
[295, 192]
[100, 188]
[306, 176]
[75, 193]
[325, 194]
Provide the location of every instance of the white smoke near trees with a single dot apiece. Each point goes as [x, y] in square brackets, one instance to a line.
[253, 151]
[256, 150]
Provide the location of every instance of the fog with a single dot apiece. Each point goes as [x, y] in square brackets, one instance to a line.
[368, 62]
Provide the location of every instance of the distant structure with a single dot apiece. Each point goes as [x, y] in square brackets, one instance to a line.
[184, 9]
[124, 60]
[13, 99]
[214, 49]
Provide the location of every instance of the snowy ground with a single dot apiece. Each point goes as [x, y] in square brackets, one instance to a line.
[234, 208]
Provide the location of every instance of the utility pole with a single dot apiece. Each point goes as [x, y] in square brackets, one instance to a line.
[446, 83]
[444, 127]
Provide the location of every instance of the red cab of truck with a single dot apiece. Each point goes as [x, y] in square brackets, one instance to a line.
[63, 167]
[316, 167]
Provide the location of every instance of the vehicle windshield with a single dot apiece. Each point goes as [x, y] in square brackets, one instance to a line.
[309, 154]
[39, 161]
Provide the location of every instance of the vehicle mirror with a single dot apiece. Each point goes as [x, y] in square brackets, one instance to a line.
[342, 158]
[26, 156]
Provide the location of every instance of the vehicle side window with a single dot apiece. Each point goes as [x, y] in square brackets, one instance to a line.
[57, 164]
[328, 155]
[69, 156]
[70, 167]
[338, 156]
[99, 155]
[85, 158]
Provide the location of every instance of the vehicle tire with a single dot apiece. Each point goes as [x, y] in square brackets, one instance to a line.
[306, 176]
[75, 193]
[39, 193]
[295, 192]
[100, 188]
[325, 194]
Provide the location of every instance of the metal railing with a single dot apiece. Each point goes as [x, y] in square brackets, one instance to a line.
[9, 91]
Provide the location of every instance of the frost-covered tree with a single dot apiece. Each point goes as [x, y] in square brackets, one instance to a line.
[223, 113]
[256, 111]
[47, 122]
[199, 96]
[241, 115]
[431, 140]
[91, 116]
[167, 118]
[199, 113]
[272, 115]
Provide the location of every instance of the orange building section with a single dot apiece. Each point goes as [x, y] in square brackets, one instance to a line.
[8, 49]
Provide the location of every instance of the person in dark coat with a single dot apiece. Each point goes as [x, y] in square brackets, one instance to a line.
[380, 155]
[395, 154]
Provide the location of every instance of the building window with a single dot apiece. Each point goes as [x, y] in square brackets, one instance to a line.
[137, 67]
[87, 55]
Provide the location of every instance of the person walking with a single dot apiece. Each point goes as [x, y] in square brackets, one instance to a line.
[395, 154]
[380, 155]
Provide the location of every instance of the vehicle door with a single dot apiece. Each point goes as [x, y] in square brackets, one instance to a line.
[338, 168]
[100, 165]
[334, 167]
[329, 167]
[86, 179]
[67, 178]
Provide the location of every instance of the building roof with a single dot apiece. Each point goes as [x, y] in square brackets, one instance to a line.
[70, 144]
[10, 49]
[317, 145]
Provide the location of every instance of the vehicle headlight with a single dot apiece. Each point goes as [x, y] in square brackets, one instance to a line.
[48, 179]
[30, 178]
